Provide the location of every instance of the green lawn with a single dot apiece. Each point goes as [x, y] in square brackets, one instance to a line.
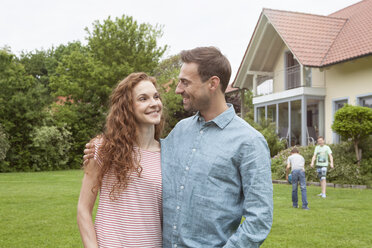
[343, 219]
[39, 210]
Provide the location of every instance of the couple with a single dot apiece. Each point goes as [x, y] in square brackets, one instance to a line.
[215, 168]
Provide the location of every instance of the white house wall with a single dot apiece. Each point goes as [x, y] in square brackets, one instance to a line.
[317, 78]
[278, 85]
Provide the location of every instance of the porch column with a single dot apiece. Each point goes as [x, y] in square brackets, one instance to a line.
[277, 118]
[255, 114]
[254, 84]
[321, 118]
[289, 125]
[302, 79]
[266, 112]
[303, 121]
[242, 98]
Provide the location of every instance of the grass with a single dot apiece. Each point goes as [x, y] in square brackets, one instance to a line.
[39, 210]
[343, 219]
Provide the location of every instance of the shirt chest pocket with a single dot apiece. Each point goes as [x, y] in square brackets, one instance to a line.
[223, 172]
[217, 178]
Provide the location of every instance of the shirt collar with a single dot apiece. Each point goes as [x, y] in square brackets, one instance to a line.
[221, 120]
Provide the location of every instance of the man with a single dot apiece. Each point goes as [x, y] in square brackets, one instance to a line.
[321, 154]
[297, 163]
[215, 166]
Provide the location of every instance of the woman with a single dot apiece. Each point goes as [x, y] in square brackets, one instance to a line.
[126, 171]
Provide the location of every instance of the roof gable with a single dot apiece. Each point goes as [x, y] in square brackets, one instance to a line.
[319, 41]
[309, 37]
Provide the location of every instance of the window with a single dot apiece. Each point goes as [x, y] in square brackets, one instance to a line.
[292, 72]
[365, 101]
[337, 104]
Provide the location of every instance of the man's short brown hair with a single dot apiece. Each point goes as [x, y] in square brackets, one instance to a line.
[294, 150]
[211, 62]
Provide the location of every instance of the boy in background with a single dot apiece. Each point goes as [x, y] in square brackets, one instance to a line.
[321, 154]
[297, 163]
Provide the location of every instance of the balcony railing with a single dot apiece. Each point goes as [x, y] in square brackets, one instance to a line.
[287, 79]
[293, 77]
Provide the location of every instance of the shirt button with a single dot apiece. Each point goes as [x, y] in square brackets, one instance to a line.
[187, 168]
[178, 207]
[193, 149]
[181, 187]
[174, 227]
[201, 132]
[175, 245]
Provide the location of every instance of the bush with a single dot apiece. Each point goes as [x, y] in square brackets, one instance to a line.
[51, 146]
[355, 123]
[345, 171]
[4, 143]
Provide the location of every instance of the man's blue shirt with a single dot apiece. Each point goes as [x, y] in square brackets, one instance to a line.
[214, 173]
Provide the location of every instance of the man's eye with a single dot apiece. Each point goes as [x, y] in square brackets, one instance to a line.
[183, 82]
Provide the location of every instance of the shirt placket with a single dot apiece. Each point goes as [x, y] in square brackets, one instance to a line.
[181, 187]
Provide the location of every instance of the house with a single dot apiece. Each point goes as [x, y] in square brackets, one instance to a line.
[313, 64]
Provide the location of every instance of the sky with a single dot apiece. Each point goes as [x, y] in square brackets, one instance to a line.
[26, 25]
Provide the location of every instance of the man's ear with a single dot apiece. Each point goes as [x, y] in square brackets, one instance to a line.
[214, 83]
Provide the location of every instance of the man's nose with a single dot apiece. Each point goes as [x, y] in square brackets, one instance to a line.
[179, 88]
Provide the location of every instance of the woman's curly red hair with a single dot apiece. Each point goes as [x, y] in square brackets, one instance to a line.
[117, 151]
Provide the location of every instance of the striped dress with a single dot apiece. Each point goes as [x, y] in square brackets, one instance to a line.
[134, 219]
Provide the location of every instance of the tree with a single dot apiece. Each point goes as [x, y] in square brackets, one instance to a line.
[81, 85]
[41, 64]
[124, 46]
[355, 123]
[81, 78]
[22, 103]
[4, 143]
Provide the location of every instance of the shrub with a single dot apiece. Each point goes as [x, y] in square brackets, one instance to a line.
[355, 123]
[51, 146]
[4, 143]
[345, 171]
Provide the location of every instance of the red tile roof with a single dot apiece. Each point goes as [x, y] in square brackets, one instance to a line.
[355, 39]
[323, 40]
